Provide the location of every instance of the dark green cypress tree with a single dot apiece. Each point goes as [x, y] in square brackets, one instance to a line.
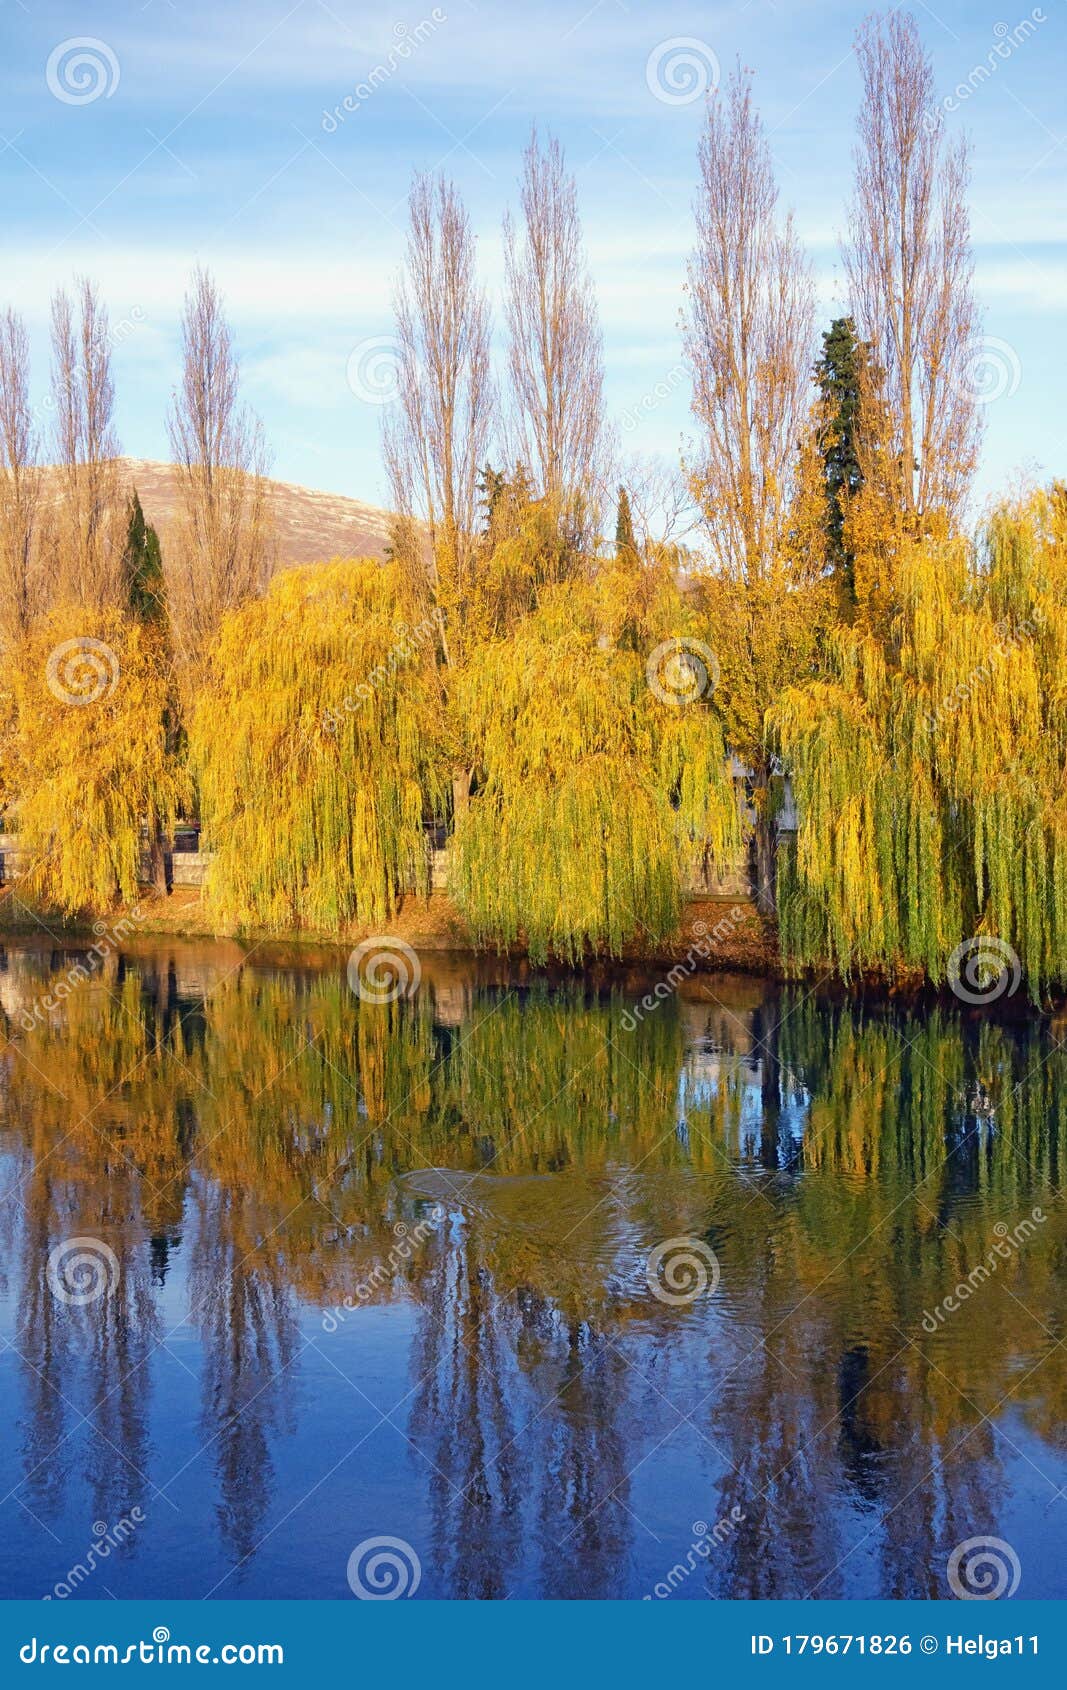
[145, 598]
[839, 373]
[143, 564]
[625, 543]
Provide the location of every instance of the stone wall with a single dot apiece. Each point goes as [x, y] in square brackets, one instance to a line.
[189, 868]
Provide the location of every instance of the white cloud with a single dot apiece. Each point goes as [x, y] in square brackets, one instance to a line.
[260, 288]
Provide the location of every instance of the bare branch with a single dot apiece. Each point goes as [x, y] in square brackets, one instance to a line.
[437, 436]
[910, 270]
[221, 553]
[555, 348]
[87, 546]
[20, 486]
[748, 332]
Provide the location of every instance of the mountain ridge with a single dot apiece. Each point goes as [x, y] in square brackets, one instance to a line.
[310, 526]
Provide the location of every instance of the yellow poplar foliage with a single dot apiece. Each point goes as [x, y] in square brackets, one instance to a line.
[768, 622]
[592, 794]
[88, 756]
[313, 744]
[928, 766]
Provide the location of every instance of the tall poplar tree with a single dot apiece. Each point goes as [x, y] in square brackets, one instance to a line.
[748, 331]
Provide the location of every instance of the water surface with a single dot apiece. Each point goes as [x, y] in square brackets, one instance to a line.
[358, 1271]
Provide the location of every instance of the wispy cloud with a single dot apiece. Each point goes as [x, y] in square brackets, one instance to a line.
[214, 146]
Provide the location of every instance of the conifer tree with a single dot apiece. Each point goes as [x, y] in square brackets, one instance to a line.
[143, 566]
[839, 375]
[625, 544]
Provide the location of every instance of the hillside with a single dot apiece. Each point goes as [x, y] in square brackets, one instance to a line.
[310, 526]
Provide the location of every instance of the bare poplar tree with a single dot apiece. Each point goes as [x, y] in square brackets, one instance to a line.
[20, 485]
[910, 269]
[555, 348]
[436, 436]
[748, 329]
[89, 530]
[438, 433]
[220, 552]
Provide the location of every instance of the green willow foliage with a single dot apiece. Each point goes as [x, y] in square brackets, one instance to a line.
[928, 766]
[314, 746]
[594, 793]
[87, 755]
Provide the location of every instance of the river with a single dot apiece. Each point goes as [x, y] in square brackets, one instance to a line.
[561, 1288]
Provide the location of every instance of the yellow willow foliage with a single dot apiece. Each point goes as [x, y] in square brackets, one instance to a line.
[314, 748]
[593, 793]
[928, 767]
[88, 755]
[767, 622]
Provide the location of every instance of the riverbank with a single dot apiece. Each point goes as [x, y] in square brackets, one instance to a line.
[716, 934]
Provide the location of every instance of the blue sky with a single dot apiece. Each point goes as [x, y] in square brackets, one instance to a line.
[210, 138]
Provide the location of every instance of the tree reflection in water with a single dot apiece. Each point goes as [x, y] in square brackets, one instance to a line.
[251, 1141]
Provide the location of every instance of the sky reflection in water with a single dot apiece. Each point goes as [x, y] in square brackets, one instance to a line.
[384, 1271]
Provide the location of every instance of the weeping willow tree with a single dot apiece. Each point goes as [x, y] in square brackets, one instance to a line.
[313, 744]
[928, 766]
[594, 787]
[88, 756]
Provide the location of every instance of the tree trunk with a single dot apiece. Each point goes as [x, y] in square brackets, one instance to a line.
[461, 792]
[158, 864]
[766, 843]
